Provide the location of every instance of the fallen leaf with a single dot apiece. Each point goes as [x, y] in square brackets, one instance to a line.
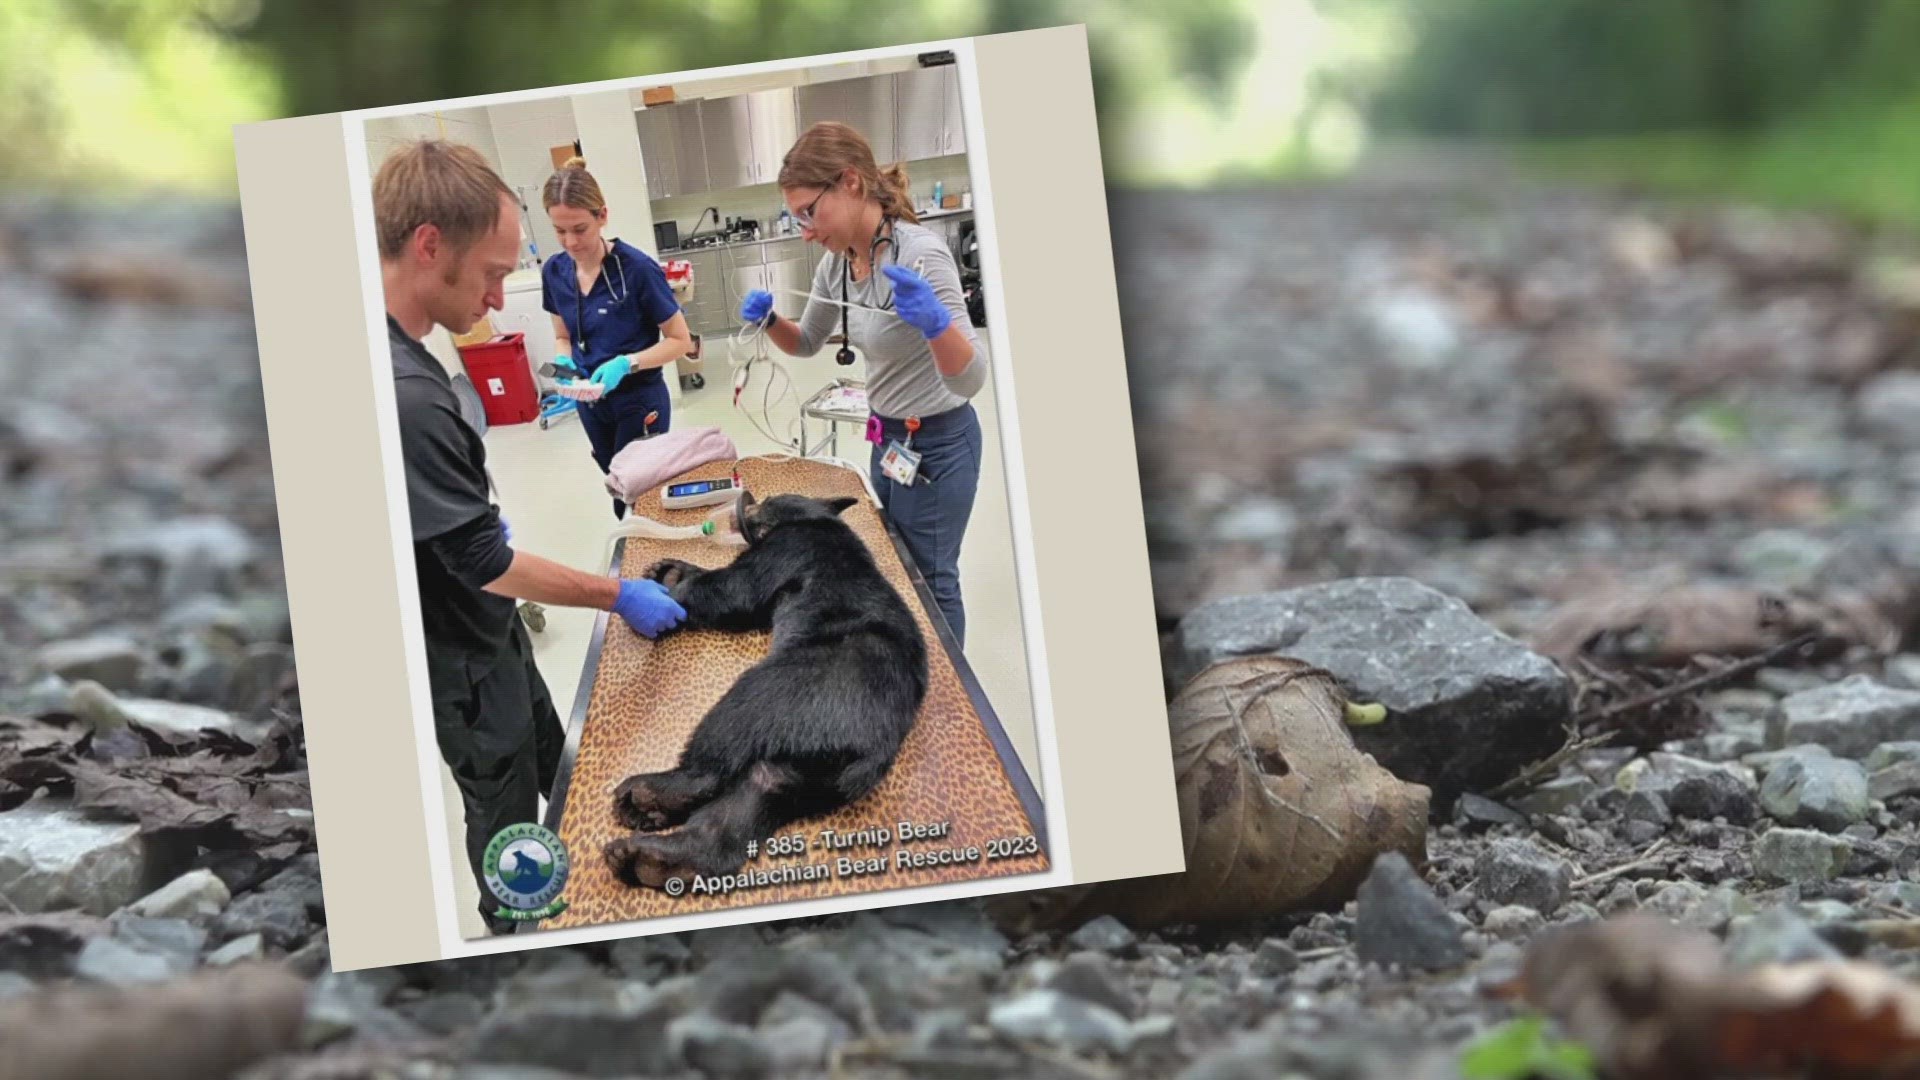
[1673, 625]
[1278, 810]
[1656, 1002]
[211, 1024]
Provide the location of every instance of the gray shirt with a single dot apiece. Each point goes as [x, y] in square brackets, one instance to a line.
[902, 379]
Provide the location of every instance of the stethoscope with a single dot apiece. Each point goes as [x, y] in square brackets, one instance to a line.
[620, 297]
[881, 235]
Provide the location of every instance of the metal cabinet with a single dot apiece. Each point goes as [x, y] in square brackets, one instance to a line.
[927, 101]
[671, 147]
[773, 124]
[865, 104]
[726, 130]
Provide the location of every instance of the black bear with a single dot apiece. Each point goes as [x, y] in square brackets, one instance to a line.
[813, 726]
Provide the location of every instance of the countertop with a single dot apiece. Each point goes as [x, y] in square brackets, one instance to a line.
[682, 253]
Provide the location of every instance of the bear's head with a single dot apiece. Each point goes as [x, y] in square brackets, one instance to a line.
[757, 519]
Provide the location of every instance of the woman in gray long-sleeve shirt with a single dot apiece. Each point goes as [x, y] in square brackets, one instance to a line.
[923, 363]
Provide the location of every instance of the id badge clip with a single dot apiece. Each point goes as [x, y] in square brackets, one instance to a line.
[900, 464]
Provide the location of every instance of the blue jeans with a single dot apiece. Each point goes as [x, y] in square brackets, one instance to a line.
[931, 516]
[620, 418]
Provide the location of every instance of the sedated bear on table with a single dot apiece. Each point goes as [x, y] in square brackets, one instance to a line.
[813, 726]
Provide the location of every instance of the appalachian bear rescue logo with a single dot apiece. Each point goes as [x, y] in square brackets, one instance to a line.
[527, 869]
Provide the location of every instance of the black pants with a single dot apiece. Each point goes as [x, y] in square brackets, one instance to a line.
[621, 417]
[502, 739]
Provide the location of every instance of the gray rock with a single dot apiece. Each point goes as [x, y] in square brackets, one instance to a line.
[1051, 1017]
[177, 938]
[1661, 771]
[1765, 761]
[443, 1014]
[278, 915]
[1903, 671]
[1648, 807]
[197, 894]
[1103, 933]
[53, 857]
[13, 984]
[1089, 976]
[183, 719]
[717, 1047]
[1260, 520]
[114, 962]
[1784, 681]
[1512, 921]
[251, 947]
[195, 555]
[1887, 755]
[46, 694]
[1675, 899]
[112, 660]
[1781, 558]
[1400, 922]
[1718, 794]
[1849, 717]
[1800, 856]
[1519, 872]
[1820, 793]
[1895, 782]
[1274, 958]
[650, 959]
[1776, 936]
[1556, 796]
[1716, 910]
[1467, 705]
[1478, 812]
[353, 1003]
[801, 1043]
[1890, 407]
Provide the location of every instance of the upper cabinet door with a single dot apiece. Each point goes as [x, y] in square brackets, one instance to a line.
[690, 147]
[866, 104]
[919, 100]
[659, 151]
[774, 124]
[953, 126]
[727, 127]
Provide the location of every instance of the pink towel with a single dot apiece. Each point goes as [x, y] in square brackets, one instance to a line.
[648, 463]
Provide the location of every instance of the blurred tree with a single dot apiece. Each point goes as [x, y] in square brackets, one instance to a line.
[1539, 68]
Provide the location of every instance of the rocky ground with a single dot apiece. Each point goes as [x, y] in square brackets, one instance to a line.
[1510, 461]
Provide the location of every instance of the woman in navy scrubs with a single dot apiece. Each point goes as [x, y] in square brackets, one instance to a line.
[614, 318]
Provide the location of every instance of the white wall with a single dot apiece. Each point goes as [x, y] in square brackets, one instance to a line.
[524, 133]
[762, 202]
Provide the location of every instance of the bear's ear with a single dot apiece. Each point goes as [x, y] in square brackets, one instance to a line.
[840, 504]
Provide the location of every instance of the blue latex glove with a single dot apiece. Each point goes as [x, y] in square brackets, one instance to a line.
[915, 302]
[564, 361]
[647, 607]
[609, 374]
[756, 306]
[505, 529]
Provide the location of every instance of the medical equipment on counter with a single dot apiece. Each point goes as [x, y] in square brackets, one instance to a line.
[692, 493]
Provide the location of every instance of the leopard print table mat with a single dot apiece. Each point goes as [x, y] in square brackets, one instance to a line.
[647, 697]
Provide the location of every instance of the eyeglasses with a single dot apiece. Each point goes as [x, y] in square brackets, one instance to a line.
[805, 217]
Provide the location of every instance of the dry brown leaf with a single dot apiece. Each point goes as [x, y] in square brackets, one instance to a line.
[212, 1024]
[1673, 625]
[1278, 810]
[1656, 1002]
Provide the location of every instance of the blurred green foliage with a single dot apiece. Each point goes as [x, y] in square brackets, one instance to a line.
[145, 91]
[1806, 104]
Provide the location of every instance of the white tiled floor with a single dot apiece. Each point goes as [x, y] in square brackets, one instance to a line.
[551, 492]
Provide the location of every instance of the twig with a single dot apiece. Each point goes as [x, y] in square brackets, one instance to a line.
[1699, 682]
[1577, 744]
[1646, 858]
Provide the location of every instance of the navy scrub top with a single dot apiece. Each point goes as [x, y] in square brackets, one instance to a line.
[622, 318]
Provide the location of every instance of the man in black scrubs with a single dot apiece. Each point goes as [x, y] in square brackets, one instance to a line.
[449, 232]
